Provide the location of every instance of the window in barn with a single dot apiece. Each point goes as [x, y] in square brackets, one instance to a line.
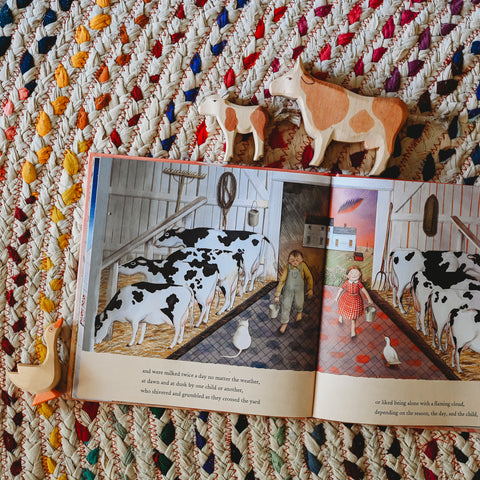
[430, 216]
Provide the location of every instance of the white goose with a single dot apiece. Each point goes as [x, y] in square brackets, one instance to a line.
[390, 354]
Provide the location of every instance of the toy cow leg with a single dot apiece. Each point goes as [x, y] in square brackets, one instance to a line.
[259, 146]
[382, 155]
[321, 141]
[229, 142]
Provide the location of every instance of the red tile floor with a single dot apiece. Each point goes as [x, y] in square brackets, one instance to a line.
[361, 356]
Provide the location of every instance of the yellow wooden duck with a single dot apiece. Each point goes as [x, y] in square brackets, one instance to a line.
[42, 379]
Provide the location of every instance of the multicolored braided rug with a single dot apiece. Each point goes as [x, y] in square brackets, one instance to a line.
[126, 76]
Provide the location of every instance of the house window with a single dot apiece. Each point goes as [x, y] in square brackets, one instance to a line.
[336, 242]
[350, 243]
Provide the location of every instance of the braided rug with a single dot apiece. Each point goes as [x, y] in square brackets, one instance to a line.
[126, 76]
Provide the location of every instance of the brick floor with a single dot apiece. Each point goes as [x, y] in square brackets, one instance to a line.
[362, 355]
[296, 349]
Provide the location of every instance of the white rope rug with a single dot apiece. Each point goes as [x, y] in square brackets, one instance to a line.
[126, 76]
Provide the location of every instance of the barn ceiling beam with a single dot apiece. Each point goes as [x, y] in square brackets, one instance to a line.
[466, 231]
[418, 217]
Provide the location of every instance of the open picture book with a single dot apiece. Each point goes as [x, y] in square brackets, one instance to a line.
[281, 293]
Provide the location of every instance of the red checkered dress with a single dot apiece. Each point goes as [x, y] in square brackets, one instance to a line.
[350, 303]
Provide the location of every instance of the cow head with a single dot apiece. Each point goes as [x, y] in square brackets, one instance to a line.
[103, 328]
[171, 238]
[132, 267]
[288, 84]
[212, 105]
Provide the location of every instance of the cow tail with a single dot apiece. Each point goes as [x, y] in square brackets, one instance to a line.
[389, 270]
[271, 259]
[191, 304]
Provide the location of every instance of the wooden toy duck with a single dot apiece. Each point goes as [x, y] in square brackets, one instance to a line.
[390, 354]
[42, 379]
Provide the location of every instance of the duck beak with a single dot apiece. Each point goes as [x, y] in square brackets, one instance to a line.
[58, 323]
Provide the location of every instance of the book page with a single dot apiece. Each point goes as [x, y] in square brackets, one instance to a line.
[401, 300]
[201, 286]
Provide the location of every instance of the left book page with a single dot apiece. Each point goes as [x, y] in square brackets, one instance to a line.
[176, 301]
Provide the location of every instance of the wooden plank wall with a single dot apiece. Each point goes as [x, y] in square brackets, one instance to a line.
[453, 199]
[142, 195]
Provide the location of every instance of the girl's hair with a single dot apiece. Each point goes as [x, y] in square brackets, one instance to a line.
[353, 267]
[296, 253]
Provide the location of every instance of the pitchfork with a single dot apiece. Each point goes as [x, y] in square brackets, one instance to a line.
[381, 279]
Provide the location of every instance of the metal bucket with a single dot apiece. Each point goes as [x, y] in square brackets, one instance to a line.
[274, 309]
[370, 313]
[253, 216]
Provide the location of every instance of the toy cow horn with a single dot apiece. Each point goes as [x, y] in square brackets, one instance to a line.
[299, 64]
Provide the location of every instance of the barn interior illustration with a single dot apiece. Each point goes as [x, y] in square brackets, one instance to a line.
[419, 262]
[223, 237]
[224, 234]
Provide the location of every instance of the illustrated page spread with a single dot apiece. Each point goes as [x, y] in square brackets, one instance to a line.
[281, 293]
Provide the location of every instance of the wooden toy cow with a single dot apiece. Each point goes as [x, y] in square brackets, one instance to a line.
[331, 112]
[235, 119]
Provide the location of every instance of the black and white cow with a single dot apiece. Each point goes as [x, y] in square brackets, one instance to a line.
[253, 246]
[404, 262]
[198, 274]
[464, 332]
[423, 284]
[142, 303]
[442, 302]
[469, 263]
[229, 265]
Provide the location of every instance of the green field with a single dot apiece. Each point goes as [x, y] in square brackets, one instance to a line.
[337, 263]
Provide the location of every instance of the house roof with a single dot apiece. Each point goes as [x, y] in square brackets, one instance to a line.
[345, 230]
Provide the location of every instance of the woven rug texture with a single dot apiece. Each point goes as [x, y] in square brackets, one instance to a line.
[126, 77]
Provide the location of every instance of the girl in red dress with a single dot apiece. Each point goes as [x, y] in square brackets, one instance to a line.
[350, 302]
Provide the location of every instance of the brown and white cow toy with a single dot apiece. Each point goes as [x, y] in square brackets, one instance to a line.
[235, 119]
[331, 112]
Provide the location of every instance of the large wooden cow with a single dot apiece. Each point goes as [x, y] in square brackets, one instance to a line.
[253, 245]
[331, 112]
[235, 119]
[142, 303]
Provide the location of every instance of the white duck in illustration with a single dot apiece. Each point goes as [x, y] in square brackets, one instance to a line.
[42, 379]
[390, 354]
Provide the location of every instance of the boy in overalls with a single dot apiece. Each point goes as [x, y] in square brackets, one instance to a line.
[293, 279]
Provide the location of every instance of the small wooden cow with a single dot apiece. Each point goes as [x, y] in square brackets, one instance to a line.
[235, 119]
[331, 112]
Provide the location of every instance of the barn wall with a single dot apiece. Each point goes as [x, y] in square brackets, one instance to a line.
[142, 195]
[454, 199]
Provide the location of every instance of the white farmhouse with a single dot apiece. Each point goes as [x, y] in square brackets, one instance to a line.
[341, 238]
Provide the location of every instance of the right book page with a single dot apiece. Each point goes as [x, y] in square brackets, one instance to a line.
[401, 305]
